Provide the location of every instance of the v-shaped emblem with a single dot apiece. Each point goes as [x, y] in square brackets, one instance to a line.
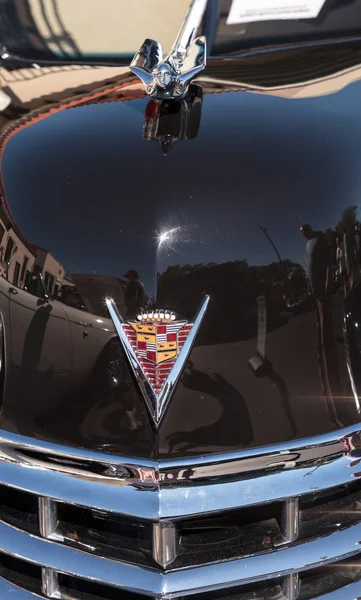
[157, 346]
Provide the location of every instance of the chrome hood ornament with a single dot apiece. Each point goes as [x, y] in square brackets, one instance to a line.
[168, 77]
[157, 346]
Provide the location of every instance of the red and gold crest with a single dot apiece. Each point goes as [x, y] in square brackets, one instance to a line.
[157, 339]
[157, 347]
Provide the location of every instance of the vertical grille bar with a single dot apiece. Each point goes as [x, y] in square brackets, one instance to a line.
[291, 587]
[50, 583]
[290, 530]
[48, 518]
[290, 520]
[48, 522]
[165, 543]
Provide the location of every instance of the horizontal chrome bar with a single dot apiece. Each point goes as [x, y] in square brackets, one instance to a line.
[115, 491]
[285, 561]
[9, 591]
[113, 485]
[87, 489]
[13, 441]
[222, 464]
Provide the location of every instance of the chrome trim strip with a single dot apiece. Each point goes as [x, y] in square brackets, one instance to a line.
[230, 463]
[13, 441]
[116, 487]
[197, 499]
[221, 464]
[174, 375]
[112, 494]
[141, 380]
[64, 559]
[10, 591]
[285, 561]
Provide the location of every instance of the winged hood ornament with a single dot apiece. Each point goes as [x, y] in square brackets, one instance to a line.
[168, 77]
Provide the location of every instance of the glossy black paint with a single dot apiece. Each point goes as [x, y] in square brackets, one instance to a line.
[219, 212]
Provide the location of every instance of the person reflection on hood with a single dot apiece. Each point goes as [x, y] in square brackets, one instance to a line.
[134, 295]
[358, 244]
[320, 282]
[318, 262]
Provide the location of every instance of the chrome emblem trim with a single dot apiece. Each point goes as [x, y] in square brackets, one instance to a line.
[147, 359]
[168, 77]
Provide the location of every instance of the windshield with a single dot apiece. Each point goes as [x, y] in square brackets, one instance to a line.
[95, 30]
[337, 18]
[113, 30]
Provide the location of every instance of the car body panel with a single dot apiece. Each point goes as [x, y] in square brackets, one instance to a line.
[216, 213]
[35, 325]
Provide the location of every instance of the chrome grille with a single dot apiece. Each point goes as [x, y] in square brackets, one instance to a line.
[113, 528]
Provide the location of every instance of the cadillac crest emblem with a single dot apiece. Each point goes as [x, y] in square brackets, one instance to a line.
[157, 339]
[157, 346]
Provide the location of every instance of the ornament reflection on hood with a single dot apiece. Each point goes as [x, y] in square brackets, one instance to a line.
[167, 122]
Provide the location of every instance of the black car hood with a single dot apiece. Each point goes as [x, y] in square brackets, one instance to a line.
[219, 214]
